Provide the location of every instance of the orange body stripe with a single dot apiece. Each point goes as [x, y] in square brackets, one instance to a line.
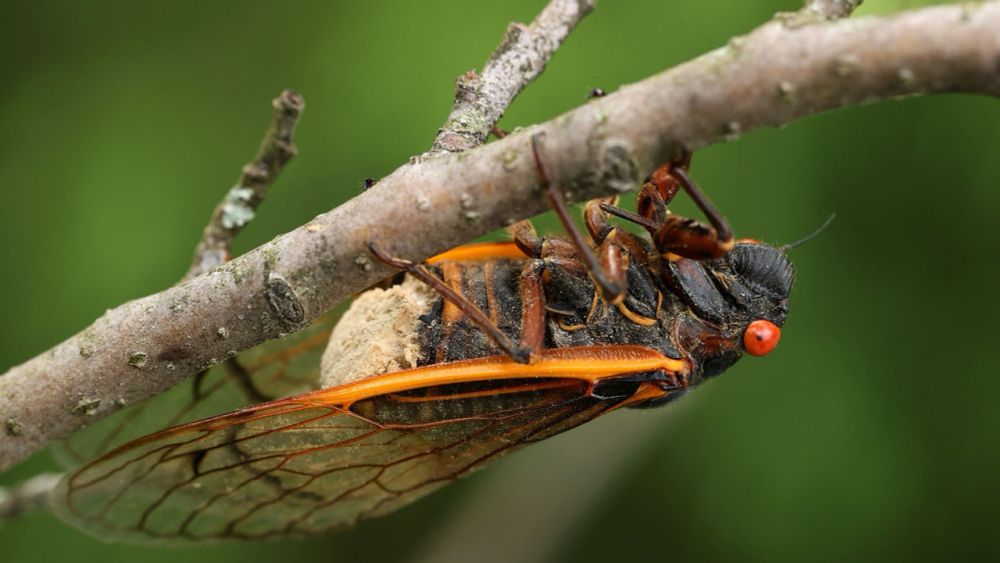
[635, 317]
[451, 274]
[586, 363]
[489, 270]
[478, 252]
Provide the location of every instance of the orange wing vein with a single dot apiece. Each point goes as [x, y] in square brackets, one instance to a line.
[327, 459]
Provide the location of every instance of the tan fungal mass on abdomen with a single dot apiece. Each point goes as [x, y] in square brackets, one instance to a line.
[379, 333]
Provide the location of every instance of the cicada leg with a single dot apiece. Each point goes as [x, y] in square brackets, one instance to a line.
[597, 220]
[673, 235]
[605, 272]
[532, 306]
[690, 238]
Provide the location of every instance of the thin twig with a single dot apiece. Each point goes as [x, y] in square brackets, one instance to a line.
[228, 219]
[237, 208]
[481, 99]
[772, 76]
[30, 495]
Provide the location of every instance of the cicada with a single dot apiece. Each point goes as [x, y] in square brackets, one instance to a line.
[476, 353]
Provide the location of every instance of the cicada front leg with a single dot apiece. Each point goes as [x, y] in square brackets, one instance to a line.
[675, 235]
[606, 267]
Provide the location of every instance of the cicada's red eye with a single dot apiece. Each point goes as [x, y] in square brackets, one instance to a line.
[761, 337]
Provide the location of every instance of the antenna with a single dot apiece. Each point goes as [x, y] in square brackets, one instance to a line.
[810, 236]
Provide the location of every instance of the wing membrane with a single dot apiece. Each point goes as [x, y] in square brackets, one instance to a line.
[300, 466]
[272, 370]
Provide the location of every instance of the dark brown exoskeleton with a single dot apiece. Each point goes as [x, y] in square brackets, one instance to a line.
[689, 291]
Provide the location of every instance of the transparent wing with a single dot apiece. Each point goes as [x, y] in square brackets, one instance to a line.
[275, 369]
[308, 465]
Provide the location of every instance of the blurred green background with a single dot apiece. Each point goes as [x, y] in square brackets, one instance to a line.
[872, 434]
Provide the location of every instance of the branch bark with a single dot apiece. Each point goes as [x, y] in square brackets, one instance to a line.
[480, 100]
[831, 9]
[778, 73]
[237, 208]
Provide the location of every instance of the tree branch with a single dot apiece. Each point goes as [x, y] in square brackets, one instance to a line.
[32, 494]
[241, 201]
[776, 74]
[480, 100]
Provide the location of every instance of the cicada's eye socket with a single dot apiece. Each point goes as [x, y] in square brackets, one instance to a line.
[761, 337]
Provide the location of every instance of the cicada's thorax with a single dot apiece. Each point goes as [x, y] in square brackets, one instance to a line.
[575, 313]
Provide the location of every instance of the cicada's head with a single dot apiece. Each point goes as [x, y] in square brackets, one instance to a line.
[735, 305]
